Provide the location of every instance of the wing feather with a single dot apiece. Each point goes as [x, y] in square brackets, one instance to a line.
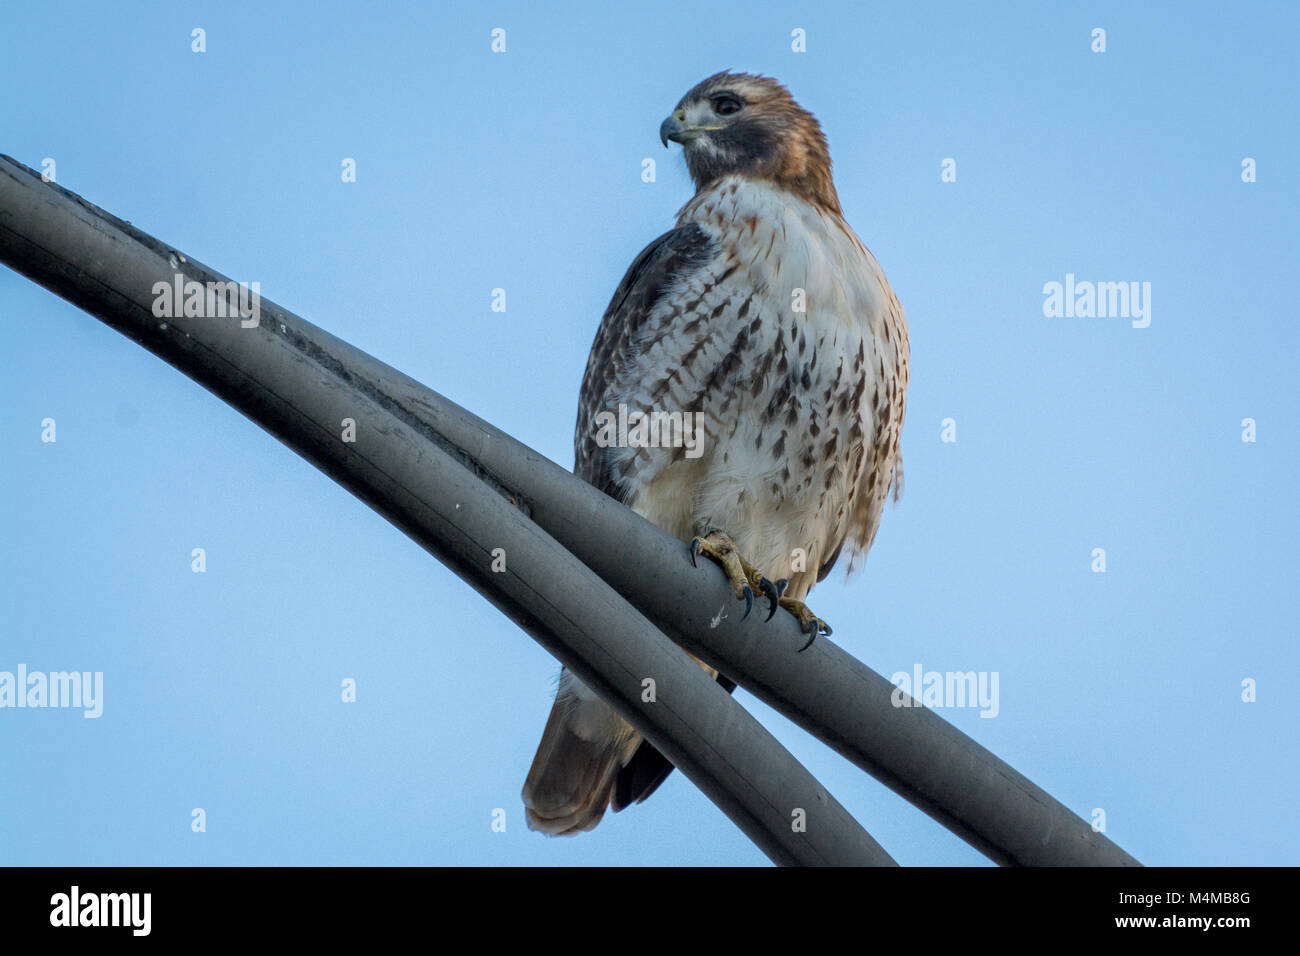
[661, 267]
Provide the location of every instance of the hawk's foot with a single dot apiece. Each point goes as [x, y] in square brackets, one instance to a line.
[745, 578]
[808, 621]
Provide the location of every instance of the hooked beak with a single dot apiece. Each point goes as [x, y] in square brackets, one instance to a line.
[674, 128]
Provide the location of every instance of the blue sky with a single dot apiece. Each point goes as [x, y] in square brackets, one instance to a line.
[1119, 690]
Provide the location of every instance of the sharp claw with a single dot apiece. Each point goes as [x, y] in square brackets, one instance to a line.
[812, 635]
[749, 601]
[773, 592]
[695, 548]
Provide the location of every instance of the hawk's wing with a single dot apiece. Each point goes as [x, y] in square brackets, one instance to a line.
[662, 267]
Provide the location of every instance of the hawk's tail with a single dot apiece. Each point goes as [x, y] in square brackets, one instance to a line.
[589, 759]
[584, 746]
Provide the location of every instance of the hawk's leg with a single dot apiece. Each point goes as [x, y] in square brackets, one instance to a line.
[745, 578]
[809, 621]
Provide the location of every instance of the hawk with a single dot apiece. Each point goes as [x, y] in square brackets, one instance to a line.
[762, 317]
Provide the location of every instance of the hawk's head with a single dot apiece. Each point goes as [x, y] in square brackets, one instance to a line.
[742, 124]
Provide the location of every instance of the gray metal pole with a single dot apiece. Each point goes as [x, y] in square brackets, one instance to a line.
[296, 382]
[824, 690]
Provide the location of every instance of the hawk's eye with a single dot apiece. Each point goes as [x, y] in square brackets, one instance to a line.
[724, 104]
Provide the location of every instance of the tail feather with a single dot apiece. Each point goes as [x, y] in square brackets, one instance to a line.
[590, 757]
[641, 777]
[584, 746]
[648, 768]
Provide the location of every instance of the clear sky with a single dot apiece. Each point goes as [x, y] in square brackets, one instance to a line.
[522, 170]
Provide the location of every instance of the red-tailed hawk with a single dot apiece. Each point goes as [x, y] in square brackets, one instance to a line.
[763, 319]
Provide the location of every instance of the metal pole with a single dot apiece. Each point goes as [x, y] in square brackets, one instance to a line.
[291, 379]
[826, 691]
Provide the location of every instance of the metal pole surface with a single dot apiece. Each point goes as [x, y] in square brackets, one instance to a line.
[826, 691]
[292, 380]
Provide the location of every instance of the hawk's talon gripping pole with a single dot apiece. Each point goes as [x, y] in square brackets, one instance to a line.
[773, 592]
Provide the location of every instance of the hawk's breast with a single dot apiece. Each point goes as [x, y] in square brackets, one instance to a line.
[789, 349]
